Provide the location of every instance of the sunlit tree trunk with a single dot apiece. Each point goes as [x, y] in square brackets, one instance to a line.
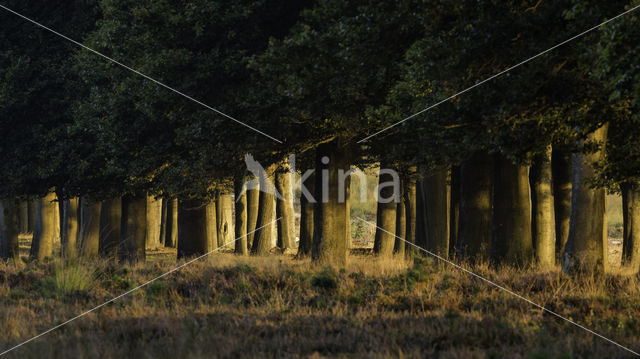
[284, 209]
[70, 227]
[253, 206]
[226, 230]
[513, 243]
[543, 218]
[240, 216]
[213, 235]
[44, 227]
[476, 203]
[329, 234]
[586, 246]
[410, 211]
[133, 228]
[110, 228]
[9, 229]
[385, 214]
[562, 178]
[90, 231]
[306, 218]
[171, 239]
[401, 224]
[263, 241]
[154, 216]
[631, 222]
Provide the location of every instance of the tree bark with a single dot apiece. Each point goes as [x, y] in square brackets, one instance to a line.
[513, 243]
[434, 213]
[163, 222]
[253, 206]
[410, 211]
[90, 232]
[193, 230]
[306, 219]
[284, 209]
[329, 234]
[133, 228]
[213, 235]
[226, 230]
[586, 246]
[24, 216]
[562, 178]
[110, 228]
[70, 227]
[401, 224]
[543, 218]
[172, 223]
[44, 227]
[476, 203]
[263, 241]
[154, 215]
[240, 216]
[9, 229]
[454, 210]
[385, 214]
[32, 215]
[631, 221]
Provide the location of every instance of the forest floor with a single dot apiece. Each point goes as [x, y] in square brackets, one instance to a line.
[276, 306]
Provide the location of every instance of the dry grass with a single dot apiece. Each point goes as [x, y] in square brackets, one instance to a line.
[229, 306]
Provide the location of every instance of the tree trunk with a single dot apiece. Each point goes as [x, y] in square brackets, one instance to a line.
[172, 223]
[163, 222]
[133, 228]
[561, 171]
[543, 218]
[329, 232]
[284, 209]
[410, 212]
[253, 208]
[347, 217]
[306, 219]
[44, 227]
[476, 203]
[241, 216]
[226, 231]
[266, 214]
[90, 232]
[513, 243]
[154, 215]
[213, 235]
[386, 213]
[454, 210]
[586, 246]
[631, 220]
[193, 229]
[32, 215]
[401, 224]
[110, 228]
[70, 227]
[9, 229]
[434, 213]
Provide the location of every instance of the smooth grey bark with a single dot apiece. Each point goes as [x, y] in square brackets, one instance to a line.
[44, 230]
[9, 229]
[543, 217]
[385, 239]
[90, 231]
[240, 216]
[586, 246]
[476, 203]
[171, 239]
[284, 209]
[133, 228]
[110, 228]
[562, 186]
[631, 222]
[70, 227]
[262, 243]
[329, 234]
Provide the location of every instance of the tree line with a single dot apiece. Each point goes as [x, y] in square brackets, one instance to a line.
[513, 171]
